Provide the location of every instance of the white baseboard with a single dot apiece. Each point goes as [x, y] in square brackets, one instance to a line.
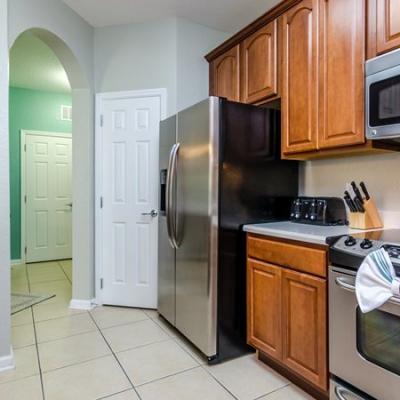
[7, 362]
[82, 304]
[16, 262]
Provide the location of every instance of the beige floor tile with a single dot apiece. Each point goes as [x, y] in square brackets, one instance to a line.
[72, 350]
[46, 274]
[112, 316]
[195, 384]
[26, 364]
[90, 380]
[22, 318]
[20, 287]
[191, 349]
[24, 389]
[46, 311]
[169, 329]
[155, 361]
[61, 289]
[288, 393]
[151, 313]
[247, 378]
[127, 395]
[64, 327]
[125, 337]
[22, 336]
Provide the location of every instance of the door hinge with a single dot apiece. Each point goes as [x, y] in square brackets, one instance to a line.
[25, 199]
[101, 283]
[101, 202]
[26, 249]
[101, 120]
[24, 147]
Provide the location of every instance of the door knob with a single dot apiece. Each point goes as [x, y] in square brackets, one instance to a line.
[69, 205]
[152, 213]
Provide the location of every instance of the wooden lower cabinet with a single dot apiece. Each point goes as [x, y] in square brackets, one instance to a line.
[304, 323]
[264, 307]
[287, 319]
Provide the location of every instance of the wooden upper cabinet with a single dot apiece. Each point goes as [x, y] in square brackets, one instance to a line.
[259, 65]
[387, 25]
[304, 325]
[342, 57]
[300, 78]
[341, 72]
[225, 75]
[264, 307]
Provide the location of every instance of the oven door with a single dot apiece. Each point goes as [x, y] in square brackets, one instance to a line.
[364, 348]
[383, 104]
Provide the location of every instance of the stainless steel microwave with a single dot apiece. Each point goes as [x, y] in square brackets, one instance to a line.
[383, 96]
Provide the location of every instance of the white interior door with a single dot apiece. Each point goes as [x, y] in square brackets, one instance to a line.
[129, 181]
[48, 208]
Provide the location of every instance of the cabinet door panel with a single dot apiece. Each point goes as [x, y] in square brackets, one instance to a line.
[225, 78]
[304, 326]
[342, 56]
[264, 307]
[299, 78]
[388, 25]
[259, 64]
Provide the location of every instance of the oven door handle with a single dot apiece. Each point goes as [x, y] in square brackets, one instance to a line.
[341, 282]
[341, 394]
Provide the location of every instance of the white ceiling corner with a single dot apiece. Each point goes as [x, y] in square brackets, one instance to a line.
[222, 15]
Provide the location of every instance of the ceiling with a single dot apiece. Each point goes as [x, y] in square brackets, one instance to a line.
[33, 65]
[223, 15]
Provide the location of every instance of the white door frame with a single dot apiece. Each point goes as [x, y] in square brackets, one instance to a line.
[161, 93]
[24, 134]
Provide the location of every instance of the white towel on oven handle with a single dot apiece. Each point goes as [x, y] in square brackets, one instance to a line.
[376, 281]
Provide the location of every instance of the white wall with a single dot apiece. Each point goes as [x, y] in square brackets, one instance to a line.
[5, 324]
[167, 53]
[137, 56]
[194, 41]
[379, 172]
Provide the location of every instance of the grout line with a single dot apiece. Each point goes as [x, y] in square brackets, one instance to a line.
[126, 323]
[37, 355]
[144, 345]
[168, 376]
[274, 391]
[218, 382]
[63, 270]
[114, 394]
[115, 356]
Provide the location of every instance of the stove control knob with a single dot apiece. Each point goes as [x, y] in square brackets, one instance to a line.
[350, 241]
[366, 244]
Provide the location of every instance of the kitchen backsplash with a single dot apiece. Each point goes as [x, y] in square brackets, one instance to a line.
[380, 173]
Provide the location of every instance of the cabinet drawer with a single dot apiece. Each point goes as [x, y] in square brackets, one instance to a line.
[299, 257]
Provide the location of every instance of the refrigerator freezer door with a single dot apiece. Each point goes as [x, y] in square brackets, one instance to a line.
[197, 225]
[166, 254]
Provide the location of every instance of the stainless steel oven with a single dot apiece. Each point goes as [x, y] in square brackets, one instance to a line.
[383, 96]
[364, 348]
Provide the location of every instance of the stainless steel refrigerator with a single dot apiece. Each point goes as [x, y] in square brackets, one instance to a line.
[220, 169]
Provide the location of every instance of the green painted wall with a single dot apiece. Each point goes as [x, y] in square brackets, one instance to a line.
[37, 111]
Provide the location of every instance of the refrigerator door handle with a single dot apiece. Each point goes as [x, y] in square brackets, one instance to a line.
[170, 212]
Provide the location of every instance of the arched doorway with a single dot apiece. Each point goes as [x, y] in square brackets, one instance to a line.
[82, 172]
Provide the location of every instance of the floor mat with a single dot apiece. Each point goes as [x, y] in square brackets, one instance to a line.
[20, 302]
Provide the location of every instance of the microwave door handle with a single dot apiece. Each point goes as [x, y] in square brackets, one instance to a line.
[341, 282]
[169, 197]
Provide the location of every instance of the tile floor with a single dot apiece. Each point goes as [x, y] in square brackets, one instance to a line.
[117, 354]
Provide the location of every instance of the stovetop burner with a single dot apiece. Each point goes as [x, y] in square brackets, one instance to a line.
[350, 251]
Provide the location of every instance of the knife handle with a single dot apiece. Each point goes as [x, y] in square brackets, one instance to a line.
[365, 191]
